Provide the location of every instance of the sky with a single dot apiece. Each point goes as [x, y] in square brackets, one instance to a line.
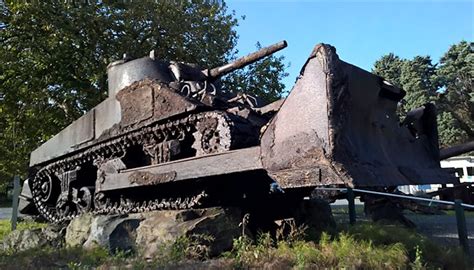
[361, 31]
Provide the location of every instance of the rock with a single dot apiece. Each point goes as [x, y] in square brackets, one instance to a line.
[54, 235]
[78, 230]
[117, 232]
[21, 240]
[147, 233]
[165, 227]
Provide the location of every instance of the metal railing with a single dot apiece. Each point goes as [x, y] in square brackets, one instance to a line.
[458, 207]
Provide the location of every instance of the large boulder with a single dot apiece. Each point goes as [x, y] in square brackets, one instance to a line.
[147, 233]
[116, 232]
[161, 228]
[20, 240]
[78, 230]
[23, 239]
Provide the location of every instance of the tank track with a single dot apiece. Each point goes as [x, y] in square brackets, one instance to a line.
[44, 186]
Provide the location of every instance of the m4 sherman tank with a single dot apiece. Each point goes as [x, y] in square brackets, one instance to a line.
[168, 138]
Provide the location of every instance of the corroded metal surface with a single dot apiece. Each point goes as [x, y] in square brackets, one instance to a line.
[148, 178]
[342, 120]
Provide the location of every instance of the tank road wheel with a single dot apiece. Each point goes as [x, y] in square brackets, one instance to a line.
[100, 201]
[84, 202]
[63, 205]
[213, 134]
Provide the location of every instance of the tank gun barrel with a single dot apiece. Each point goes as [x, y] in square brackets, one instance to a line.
[456, 150]
[246, 60]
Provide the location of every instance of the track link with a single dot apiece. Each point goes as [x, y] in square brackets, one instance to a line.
[46, 185]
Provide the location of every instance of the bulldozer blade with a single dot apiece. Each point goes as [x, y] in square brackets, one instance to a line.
[339, 126]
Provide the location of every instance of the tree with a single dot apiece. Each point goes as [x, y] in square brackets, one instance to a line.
[390, 68]
[418, 79]
[447, 84]
[250, 79]
[456, 98]
[54, 56]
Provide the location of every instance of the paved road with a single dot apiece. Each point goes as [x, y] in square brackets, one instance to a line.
[443, 228]
[5, 213]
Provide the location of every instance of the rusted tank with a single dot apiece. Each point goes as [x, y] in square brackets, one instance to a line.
[168, 138]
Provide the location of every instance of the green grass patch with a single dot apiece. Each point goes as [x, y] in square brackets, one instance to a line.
[420, 249]
[5, 226]
[362, 246]
[342, 251]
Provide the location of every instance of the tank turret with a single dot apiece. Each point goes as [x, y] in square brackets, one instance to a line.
[123, 73]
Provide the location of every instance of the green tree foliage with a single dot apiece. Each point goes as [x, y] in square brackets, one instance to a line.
[54, 56]
[262, 78]
[447, 84]
[389, 67]
[456, 99]
[418, 75]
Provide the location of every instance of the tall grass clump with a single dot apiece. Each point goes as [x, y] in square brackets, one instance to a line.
[342, 251]
[421, 250]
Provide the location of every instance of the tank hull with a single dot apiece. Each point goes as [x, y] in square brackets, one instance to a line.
[160, 145]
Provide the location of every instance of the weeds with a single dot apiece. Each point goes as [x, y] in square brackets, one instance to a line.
[364, 246]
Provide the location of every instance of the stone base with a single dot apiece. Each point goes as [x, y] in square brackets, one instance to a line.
[147, 233]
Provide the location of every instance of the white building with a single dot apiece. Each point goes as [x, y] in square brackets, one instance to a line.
[464, 167]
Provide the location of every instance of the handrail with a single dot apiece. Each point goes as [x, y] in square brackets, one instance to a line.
[396, 195]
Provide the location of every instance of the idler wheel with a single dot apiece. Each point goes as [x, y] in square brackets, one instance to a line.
[45, 188]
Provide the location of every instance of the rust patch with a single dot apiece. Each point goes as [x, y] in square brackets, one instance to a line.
[136, 102]
[169, 103]
[147, 178]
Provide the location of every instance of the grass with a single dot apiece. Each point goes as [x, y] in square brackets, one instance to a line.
[5, 226]
[362, 246]
[187, 250]
[453, 213]
[343, 251]
[417, 246]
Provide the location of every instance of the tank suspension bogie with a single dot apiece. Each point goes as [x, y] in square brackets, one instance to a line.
[66, 188]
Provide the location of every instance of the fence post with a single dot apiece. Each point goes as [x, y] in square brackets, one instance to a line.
[462, 230]
[352, 212]
[16, 195]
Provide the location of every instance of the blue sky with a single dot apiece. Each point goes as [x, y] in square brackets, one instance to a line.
[361, 31]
